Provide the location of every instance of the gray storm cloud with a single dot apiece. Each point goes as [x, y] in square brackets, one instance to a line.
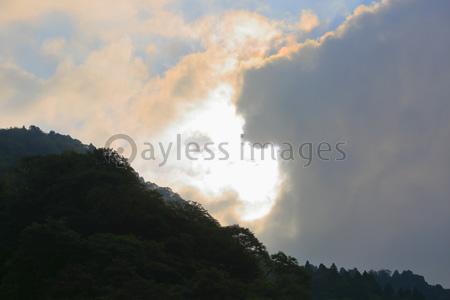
[382, 86]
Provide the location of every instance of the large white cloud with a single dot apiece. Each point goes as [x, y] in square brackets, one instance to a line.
[380, 83]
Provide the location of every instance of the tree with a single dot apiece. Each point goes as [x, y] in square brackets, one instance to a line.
[291, 280]
[388, 289]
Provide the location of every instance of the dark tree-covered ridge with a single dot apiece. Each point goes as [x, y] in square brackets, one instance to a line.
[73, 226]
[329, 283]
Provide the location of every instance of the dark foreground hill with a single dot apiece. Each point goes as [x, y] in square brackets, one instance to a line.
[73, 226]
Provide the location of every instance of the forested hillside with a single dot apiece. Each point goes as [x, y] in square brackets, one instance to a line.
[74, 226]
[405, 282]
[329, 283]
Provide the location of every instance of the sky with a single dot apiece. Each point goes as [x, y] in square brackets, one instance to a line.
[351, 97]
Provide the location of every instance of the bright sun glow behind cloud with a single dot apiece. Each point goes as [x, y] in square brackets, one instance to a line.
[254, 178]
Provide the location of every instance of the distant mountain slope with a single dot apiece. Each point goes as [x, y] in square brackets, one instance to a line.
[408, 280]
[166, 192]
[328, 283]
[16, 143]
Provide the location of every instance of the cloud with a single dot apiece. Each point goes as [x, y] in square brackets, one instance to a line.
[18, 87]
[111, 75]
[85, 11]
[308, 21]
[54, 46]
[90, 95]
[380, 84]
